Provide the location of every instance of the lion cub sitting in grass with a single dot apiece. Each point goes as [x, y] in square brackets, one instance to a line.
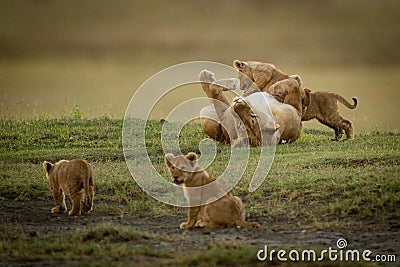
[227, 211]
[73, 178]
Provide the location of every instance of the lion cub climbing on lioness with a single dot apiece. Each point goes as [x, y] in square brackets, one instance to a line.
[73, 178]
[200, 188]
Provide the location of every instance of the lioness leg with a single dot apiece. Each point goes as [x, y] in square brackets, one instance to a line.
[214, 93]
[213, 127]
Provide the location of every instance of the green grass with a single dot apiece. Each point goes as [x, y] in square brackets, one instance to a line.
[314, 183]
[310, 179]
[103, 244]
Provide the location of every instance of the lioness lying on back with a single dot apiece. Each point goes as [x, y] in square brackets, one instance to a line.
[227, 211]
[73, 178]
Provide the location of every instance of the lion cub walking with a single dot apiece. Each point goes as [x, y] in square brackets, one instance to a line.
[324, 107]
[320, 105]
[73, 178]
[227, 211]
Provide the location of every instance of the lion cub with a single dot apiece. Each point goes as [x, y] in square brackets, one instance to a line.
[324, 107]
[227, 211]
[73, 178]
[319, 105]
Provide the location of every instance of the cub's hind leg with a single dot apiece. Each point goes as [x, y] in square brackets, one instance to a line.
[59, 200]
[76, 205]
[77, 199]
[333, 121]
[89, 197]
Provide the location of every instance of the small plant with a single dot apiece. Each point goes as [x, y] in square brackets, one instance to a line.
[76, 113]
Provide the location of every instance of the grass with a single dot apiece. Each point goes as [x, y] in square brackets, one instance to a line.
[314, 184]
[103, 243]
[311, 178]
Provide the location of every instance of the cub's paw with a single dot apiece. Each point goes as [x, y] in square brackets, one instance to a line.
[58, 209]
[200, 224]
[72, 212]
[184, 225]
[87, 208]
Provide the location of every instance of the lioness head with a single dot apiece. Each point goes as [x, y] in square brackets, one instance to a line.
[181, 167]
[256, 125]
[243, 109]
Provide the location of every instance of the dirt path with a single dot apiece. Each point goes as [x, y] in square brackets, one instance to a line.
[34, 218]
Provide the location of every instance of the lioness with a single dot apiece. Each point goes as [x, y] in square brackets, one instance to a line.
[227, 211]
[253, 111]
[73, 178]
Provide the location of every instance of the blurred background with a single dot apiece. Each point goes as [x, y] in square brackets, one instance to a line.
[59, 57]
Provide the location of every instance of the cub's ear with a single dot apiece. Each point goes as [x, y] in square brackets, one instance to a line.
[47, 166]
[191, 156]
[297, 78]
[168, 158]
[239, 65]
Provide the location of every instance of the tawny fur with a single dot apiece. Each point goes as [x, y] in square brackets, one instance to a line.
[73, 178]
[321, 106]
[262, 74]
[227, 211]
[253, 113]
[324, 107]
[287, 118]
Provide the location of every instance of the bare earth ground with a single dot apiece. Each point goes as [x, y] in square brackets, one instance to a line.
[35, 219]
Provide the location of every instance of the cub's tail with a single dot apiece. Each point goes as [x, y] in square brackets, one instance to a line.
[343, 100]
